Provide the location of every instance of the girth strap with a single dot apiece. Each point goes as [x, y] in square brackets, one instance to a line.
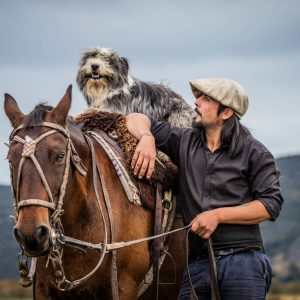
[114, 269]
[157, 243]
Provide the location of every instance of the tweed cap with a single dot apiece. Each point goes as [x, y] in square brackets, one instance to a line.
[224, 90]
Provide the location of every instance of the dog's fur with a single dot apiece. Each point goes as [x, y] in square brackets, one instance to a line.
[104, 80]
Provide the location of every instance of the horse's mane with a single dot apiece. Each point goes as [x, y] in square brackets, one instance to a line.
[36, 117]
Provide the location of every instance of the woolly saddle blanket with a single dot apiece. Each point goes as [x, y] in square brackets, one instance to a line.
[110, 131]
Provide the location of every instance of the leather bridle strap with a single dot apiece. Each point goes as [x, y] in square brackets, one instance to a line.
[114, 269]
[157, 243]
[215, 293]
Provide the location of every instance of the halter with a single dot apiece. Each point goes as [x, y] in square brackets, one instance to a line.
[29, 153]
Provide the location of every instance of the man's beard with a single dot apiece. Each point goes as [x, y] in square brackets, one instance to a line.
[203, 126]
[198, 125]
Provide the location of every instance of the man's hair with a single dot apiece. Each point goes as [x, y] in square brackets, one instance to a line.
[233, 133]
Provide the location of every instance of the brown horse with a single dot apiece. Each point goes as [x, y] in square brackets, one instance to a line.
[52, 193]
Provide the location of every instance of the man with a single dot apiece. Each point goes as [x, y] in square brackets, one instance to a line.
[228, 184]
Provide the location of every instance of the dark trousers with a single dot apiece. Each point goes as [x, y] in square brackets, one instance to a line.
[241, 276]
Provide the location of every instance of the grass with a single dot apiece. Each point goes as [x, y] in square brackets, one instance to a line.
[283, 297]
[11, 290]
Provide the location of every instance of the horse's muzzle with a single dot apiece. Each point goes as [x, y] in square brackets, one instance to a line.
[36, 243]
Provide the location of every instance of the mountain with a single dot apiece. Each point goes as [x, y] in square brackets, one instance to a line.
[8, 246]
[281, 238]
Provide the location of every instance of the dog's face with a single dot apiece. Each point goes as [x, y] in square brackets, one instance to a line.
[101, 69]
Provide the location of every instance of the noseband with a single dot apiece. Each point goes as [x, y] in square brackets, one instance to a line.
[29, 147]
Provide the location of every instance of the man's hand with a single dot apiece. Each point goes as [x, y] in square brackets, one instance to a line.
[143, 160]
[205, 224]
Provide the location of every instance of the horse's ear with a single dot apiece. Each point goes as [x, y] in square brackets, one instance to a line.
[13, 111]
[60, 112]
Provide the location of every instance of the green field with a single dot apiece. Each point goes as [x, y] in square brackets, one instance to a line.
[11, 290]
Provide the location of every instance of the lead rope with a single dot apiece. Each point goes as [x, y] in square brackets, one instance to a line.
[192, 291]
[215, 293]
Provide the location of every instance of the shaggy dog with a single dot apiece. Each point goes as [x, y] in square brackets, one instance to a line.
[104, 80]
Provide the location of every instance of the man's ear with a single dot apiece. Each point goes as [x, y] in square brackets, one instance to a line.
[226, 114]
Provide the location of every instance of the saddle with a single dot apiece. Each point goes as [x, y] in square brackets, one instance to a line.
[110, 130]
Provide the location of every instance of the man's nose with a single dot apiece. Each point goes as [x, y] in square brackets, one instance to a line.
[198, 101]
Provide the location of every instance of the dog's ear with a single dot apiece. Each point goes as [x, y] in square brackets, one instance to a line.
[125, 65]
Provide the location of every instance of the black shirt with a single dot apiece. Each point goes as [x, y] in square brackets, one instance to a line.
[212, 180]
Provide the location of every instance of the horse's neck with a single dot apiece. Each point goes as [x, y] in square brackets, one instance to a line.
[81, 206]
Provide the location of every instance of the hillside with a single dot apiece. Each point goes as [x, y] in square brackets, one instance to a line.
[8, 246]
[281, 238]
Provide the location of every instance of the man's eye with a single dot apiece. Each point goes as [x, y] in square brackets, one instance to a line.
[207, 98]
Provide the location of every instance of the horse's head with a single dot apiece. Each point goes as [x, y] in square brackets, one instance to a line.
[39, 157]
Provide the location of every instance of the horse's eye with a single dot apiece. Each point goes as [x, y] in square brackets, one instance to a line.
[60, 157]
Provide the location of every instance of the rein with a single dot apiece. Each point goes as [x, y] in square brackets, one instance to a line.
[72, 242]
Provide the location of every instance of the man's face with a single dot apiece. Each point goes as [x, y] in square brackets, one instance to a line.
[206, 113]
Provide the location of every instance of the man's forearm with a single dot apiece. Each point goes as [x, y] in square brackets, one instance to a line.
[253, 212]
[138, 124]
[143, 160]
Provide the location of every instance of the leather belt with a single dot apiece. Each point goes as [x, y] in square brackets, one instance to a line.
[222, 252]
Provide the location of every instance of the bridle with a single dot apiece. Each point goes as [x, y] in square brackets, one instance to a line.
[56, 228]
[29, 147]
[57, 237]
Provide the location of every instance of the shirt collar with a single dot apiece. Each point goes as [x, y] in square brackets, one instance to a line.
[201, 138]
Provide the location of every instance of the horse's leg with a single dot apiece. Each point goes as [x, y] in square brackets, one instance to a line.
[42, 292]
[127, 287]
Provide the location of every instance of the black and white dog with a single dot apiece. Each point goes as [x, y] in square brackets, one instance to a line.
[104, 80]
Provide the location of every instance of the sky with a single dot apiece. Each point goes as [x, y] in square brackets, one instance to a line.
[254, 42]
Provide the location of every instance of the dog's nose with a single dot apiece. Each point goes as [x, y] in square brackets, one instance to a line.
[95, 67]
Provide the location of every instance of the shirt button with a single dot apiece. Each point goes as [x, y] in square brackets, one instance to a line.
[210, 171]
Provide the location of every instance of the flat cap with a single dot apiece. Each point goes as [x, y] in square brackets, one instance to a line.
[224, 90]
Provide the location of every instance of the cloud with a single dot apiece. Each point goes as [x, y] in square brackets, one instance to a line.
[52, 33]
[253, 42]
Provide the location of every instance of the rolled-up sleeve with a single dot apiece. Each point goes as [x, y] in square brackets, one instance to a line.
[265, 185]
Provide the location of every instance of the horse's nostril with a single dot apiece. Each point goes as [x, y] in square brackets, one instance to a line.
[42, 234]
[18, 235]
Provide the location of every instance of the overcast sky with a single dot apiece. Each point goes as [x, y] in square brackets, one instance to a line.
[254, 42]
